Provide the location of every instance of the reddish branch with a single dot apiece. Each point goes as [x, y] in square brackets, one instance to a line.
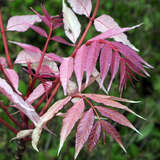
[5, 41]
[87, 29]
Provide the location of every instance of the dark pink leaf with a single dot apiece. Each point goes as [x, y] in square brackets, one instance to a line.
[83, 130]
[61, 40]
[66, 69]
[92, 56]
[70, 119]
[46, 14]
[38, 91]
[81, 6]
[18, 102]
[105, 62]
[94, 136]
[115, 67]
[112, 32]
[28, 47]
[39, 30]
[111, 101]
[79, 64]
[115, 116]
[122, 75]
[112, 132]
[3, 62]
[130, 54]
[54, 57]
[13, 78]
[22, 23]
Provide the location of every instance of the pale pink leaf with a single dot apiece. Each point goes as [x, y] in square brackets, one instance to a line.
[115, 116]
[94, 136]
[26, 56]
[22, 23]
[18, 102]
[83, 130]
[91, 59]
[106, 22]
[54, 109]
[114, 68]
[38, 91]
[72, 26]
[112, 132]
[71, 117]
[13, 78]
[110, 33]
[61, 40]
[3, 62]
[28, 47]
[105, 62]
[81, 6]
[111, 101]
[54, 57]
[66, 69]
[79, 64]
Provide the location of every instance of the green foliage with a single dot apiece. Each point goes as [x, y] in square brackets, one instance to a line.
[146, 38]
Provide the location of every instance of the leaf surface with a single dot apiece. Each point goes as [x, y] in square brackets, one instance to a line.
[105, 62]
[22, 23]
[71, 117]
[72, 26]
[81, 6]
[83, 130]
[66, 70]
[79, 64]
[94, 136]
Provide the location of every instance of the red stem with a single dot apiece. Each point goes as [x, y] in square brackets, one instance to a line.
[50, 99]
[9, 115]
[87, 28]
[5, 41]
[8, 126]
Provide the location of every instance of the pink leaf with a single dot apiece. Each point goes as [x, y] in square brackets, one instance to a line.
[19, 103]
[71, 117]
[114, 69]
[105, 62]
[122, 75]
[39, 30]
[22, 23]
[94, 135]
[79, 64]
[81, 6]
[13, 78]
[112, 132]
[61, 40]
[115, 116]
[38, 91]
[106, 22]
[83, 130]
[54, 109]
[46, 14]
[111, 101]
[112, 32]
[92, 56]
[3, 62]
[66, 70]
[28, 47]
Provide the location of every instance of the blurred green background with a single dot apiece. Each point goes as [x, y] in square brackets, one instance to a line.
[146, 38]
